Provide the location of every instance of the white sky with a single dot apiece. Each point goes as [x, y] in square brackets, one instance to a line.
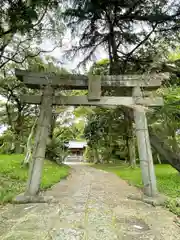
[66, 44]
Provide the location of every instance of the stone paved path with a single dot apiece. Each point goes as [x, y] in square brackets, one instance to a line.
[92, 205]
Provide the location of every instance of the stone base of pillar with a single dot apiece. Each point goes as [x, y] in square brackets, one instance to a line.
[24, 199]
[158, 200]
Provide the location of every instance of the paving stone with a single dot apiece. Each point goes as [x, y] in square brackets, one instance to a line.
[68, 234]
[25, 235]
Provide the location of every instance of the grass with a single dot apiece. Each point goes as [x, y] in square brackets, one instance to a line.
[168, 180]
[13, 177]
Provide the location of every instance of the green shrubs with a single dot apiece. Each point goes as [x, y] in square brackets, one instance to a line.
[173, 205]
[13, 177]
[56, 151]
[7, 140]
[88, 154]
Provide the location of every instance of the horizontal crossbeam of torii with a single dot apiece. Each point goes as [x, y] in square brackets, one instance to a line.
[104, 101]
[70, 81]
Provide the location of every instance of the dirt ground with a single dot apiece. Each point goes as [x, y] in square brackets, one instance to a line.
[91, 205]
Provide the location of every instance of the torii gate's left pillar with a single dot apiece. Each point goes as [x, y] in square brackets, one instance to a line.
[43, 127]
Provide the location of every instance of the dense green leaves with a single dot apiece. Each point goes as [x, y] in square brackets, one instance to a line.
[166, 120]
[22, 16]
[23, 27]
[105, 130]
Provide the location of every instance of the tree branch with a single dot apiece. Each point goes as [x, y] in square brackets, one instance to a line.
[27, 26]
[28, 56]
[143, 41]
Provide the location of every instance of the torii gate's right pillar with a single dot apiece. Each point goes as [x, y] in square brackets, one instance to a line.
[144, 148]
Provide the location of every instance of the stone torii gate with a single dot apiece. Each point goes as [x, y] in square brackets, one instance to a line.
[135, 84]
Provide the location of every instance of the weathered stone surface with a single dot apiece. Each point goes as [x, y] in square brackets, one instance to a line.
[103, 101]
[91, 205]
[35, 80]
[22, 199]
[158, 200]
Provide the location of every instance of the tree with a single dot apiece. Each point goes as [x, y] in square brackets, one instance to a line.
[104, 132]
[165, 122]
[24, 24]
[22, 16]
[100, 68]
[28, 152]
[20, 117]
[126, 30]
[16, 115]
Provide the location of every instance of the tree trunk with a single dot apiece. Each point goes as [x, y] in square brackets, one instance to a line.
[158, 158]
[96, 156]
[28, 146]
[18, 130]
[18, 148]
[53, 124]
[175, 146]
[164, 150]
[18, 141]
[132, 151]
[130, 137]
